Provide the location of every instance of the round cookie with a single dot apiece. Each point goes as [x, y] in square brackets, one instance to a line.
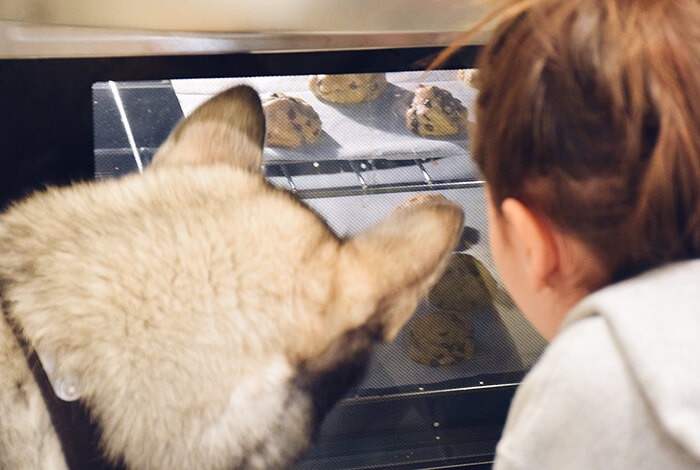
[291, 122]
[465, 285]
[348, 88]
[440, 339]
[434, 112]
[471, 77]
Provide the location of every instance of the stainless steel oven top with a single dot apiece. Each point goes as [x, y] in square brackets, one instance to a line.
[76, 28]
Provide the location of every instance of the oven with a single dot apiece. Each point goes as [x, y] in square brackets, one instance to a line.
[90, 94]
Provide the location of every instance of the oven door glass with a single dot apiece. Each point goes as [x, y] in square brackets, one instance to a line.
[426, 401]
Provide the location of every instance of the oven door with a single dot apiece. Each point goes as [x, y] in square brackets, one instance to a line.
[79, 119]
[421, 405]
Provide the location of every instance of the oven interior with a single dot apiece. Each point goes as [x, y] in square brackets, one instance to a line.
[404, 413]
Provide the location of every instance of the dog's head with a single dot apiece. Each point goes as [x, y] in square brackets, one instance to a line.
[185, 303]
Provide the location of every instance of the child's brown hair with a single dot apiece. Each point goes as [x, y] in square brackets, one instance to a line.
[589, 113]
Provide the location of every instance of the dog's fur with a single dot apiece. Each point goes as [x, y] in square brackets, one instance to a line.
[209, 318]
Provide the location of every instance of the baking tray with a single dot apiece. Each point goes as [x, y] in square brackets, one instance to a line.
[364, 131]
[504, 341]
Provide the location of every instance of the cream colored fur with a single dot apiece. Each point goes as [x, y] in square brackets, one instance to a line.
[185, 299]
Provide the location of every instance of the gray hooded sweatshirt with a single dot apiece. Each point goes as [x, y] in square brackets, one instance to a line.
[619, 386]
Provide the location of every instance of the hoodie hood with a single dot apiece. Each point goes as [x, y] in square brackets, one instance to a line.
[654, 320]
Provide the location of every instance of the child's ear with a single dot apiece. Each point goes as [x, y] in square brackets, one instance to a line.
[534, 241]
[393, 264]
[228, 128]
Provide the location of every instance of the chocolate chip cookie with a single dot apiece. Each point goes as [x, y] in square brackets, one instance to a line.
[434, 112]
[348, 88]
[291, 122]
[440, 339]
[466, 284]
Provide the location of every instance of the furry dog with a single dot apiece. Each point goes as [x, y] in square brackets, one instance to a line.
[204, 318]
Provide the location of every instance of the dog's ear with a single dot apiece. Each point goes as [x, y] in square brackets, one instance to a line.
[228, 128]
[393, 264]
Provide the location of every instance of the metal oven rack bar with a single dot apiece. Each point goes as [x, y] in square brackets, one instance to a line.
[288, 172]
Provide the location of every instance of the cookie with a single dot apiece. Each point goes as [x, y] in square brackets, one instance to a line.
[349, 88]
[440, 339]
[434, 112]
[471, 77]
[466, 284]
[291, 122]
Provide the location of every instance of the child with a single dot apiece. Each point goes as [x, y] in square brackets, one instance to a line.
[589, 140]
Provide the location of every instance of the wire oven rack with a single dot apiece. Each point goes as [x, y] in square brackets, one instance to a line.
[285, 174]
[132, 119]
